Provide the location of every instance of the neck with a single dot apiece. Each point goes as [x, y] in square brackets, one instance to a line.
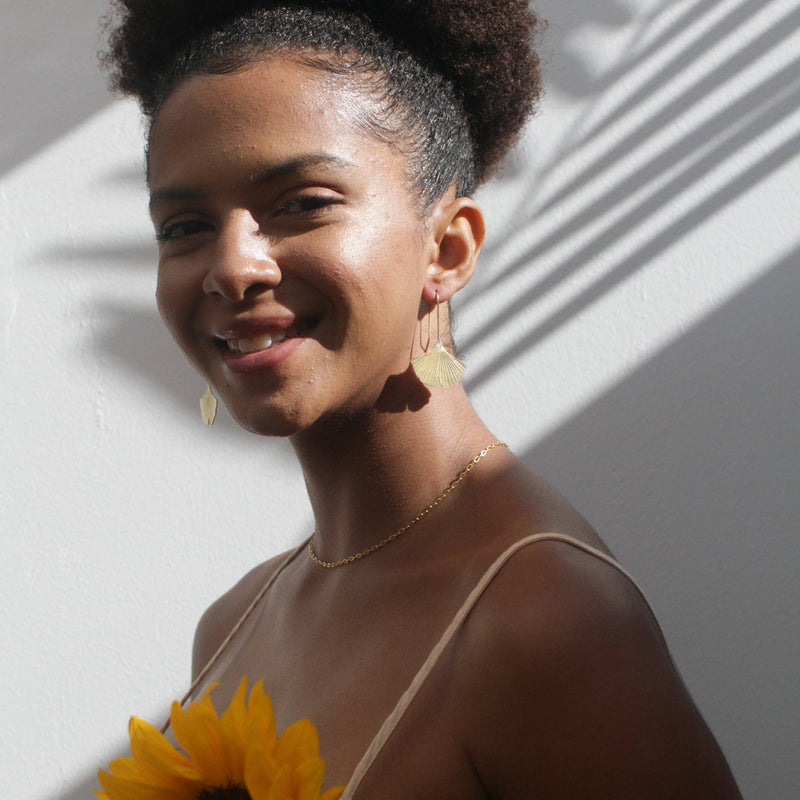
[369, 474]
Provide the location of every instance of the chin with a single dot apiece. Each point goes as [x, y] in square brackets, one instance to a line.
[265, 424]
[270, 420]
[286, 414]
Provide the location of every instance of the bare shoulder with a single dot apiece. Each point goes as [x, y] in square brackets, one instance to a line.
[223, 614]
[572, 691]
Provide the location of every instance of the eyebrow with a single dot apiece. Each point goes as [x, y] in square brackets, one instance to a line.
[298, 164]
[273, 172]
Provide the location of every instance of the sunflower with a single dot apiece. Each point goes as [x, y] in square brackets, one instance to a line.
[236, 756]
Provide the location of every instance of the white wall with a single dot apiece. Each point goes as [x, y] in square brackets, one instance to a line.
[633, 332]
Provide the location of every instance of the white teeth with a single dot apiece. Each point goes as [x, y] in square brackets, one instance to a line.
[256, 343]
[263, 342]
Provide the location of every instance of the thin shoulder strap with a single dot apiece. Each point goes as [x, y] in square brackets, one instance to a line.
[237, 627]
[405, 700]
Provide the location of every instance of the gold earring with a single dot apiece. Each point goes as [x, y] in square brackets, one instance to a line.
[208, 406]
[438, 367]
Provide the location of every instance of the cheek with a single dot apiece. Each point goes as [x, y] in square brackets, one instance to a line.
[381, 293]
[390, 263]
[165, 300]
[174, 300]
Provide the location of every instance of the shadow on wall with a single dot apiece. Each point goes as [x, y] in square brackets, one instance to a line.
[80, 791]
[662, 181]
[51, 82]
[130, 338]
[702, 443]
[574, 75]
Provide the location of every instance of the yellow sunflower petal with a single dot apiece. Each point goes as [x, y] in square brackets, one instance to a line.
[239, 748]
[117, 788]
[281, 786]
[153, 753]
[297, 743]
[124, 766]
[197, 730]
[307, 779]
[260, 772]
[128, 769]
[233, 727]
[261, 719]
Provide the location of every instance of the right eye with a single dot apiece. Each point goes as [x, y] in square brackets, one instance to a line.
[182, 228]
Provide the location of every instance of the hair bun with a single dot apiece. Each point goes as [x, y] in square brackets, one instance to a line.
[482, 47]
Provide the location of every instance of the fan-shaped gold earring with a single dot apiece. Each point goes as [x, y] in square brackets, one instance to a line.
[208, 406]
[438, 367]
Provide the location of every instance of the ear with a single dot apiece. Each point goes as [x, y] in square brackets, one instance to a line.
[458, 229]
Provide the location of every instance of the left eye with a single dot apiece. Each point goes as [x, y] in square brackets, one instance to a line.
[181, 229]
[307, 203]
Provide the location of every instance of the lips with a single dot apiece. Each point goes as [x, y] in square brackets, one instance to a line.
[253, 346]
[253, 336]
[263, 342]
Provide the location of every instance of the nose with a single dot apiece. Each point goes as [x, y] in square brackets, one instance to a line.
[242, 265]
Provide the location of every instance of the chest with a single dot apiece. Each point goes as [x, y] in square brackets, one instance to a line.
[341, 655]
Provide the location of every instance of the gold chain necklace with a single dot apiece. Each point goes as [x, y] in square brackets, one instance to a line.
[400, 531]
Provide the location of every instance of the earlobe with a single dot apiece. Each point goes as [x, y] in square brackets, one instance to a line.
[459, 229]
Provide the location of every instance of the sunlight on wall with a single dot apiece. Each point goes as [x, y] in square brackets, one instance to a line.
[657, 199]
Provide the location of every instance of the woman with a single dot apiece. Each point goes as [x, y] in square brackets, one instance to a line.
[310, 167]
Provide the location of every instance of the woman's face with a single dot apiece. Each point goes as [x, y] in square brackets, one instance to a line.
[291, 254]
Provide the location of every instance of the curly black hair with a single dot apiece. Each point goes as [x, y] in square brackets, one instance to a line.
[456, 78]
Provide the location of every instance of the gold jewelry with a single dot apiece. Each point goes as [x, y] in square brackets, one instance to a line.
[438, 367]
[400, 531]
[208, 406]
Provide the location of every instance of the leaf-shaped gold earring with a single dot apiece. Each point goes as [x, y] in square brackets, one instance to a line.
[438, 367]
[208, 406]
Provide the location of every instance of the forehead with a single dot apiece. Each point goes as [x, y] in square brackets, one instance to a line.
[271, 111]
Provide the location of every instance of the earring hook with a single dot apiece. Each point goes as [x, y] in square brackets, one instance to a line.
[438, 321]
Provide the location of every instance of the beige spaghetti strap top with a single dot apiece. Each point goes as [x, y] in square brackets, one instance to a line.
[382, 736]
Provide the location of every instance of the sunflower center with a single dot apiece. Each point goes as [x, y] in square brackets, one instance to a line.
[229, 792]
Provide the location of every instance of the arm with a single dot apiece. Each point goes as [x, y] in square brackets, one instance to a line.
[573, 693]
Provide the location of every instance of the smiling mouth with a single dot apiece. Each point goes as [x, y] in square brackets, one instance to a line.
[266, 341]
